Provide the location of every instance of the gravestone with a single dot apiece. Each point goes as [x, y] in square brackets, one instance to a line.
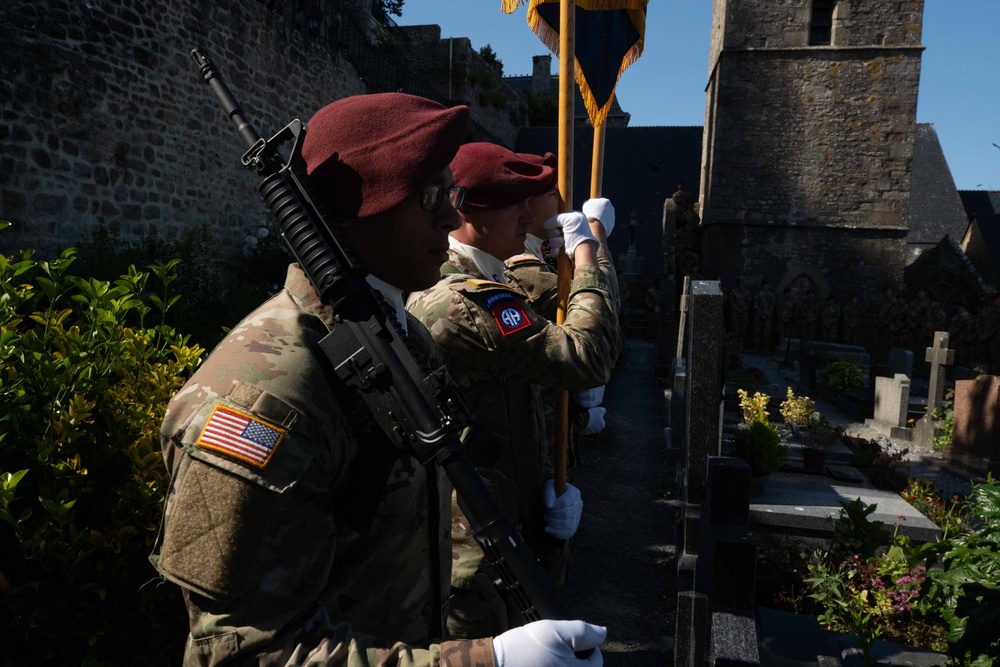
[975, 440]
[892, 398]
[900, 362]
[704, 383]
[939, 356]
[795, 504]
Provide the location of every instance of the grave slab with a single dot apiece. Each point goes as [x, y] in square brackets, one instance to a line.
[734, 639]
[804, 505]
[892, 400]
[975, 441]
[791, 639]
[900, 362]
[888, 653]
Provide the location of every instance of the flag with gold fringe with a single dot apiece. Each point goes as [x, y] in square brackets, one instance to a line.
[609, 38]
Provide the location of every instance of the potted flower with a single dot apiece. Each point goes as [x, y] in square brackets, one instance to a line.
[797, 411]
[817, 441]
[757, 441]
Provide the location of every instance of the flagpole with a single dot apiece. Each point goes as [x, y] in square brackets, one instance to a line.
[597, 163]
[567, 81]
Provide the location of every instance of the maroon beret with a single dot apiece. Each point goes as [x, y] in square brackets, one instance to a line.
[547, 160]
[368, 153]
[496, 177]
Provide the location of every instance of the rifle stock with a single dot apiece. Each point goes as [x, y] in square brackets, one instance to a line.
[419, 411]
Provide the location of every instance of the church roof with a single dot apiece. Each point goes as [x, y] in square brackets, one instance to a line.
[935, 206]
[980, 201]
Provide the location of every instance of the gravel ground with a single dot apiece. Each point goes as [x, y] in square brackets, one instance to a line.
[622, 567]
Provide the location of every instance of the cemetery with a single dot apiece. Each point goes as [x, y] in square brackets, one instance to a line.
[809, 500]
[797, 562]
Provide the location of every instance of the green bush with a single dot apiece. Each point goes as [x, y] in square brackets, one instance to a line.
[965, 589]
[218, 289]
[945, 420]
[759, 444]
[843, 376]
[86, 370]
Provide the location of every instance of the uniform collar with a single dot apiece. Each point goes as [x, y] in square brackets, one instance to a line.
[489, 266]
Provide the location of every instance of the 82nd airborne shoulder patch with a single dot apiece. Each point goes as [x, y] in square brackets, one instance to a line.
[509, 314]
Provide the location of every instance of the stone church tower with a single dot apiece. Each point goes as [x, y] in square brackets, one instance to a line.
[809, 134]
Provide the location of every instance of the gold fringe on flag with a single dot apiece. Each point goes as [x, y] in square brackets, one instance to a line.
[510, 6]
[550, 37]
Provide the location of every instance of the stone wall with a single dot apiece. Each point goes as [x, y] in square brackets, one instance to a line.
[785, 23]
[808, 149]
[832, 262]
[454, 67]
[105, 118]
[816, 136]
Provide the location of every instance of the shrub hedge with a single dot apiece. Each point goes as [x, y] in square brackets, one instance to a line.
[86, 369]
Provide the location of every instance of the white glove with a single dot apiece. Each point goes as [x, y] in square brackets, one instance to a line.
[574, 227]
[562, 515]
[589, 398]
[596, 423]
[549, 644]
[601, 209]
[555, 236]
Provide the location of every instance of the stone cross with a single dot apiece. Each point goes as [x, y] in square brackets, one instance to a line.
[939, 356]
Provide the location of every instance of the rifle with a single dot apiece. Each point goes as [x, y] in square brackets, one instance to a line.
[419, 411]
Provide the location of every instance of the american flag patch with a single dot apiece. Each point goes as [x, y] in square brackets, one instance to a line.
[240, 436]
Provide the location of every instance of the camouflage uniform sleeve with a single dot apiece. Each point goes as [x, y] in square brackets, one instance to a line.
[273, 568]
[492, 329]
[536, 280]
[540, 284]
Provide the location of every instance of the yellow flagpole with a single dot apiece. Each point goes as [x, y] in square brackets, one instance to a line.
[567, 81]
[597, 163]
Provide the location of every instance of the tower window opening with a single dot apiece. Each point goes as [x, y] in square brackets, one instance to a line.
[821, 23]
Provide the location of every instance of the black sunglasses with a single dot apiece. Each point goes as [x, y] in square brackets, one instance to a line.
[432, 197]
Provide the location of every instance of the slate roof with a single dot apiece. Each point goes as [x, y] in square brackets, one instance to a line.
[936, 209]
[945, 265]
[985, 251]
[642, 167]
[980, 201]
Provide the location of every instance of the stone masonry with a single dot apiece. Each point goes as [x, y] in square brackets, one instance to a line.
[105, 118]
[807, 149]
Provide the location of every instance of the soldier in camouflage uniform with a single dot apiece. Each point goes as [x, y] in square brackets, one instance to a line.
[500, 349]
[899, 322]
[784, 313]
[962, 334]
[830, 320]
[917, 317]
[884, 309]
[740, 302]
[296, 531]
[539, 280]
[763, 312]
[935, 319]
[808, 317]
[853, 317]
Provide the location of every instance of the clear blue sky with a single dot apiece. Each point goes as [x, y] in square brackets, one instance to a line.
[959, 76]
